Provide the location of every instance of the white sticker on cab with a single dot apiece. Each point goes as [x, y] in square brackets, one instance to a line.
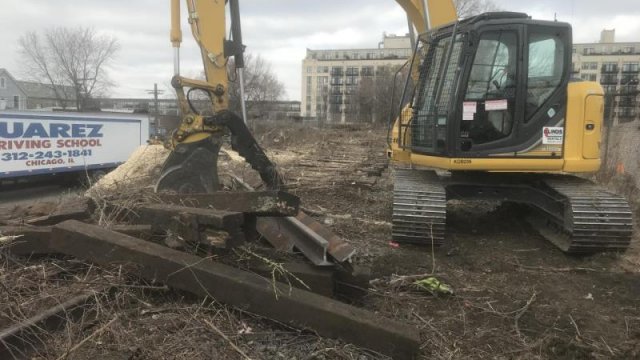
[552, 135]
[496, 105]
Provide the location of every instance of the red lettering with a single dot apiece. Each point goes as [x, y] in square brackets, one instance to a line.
[25, 144]
[44, 162]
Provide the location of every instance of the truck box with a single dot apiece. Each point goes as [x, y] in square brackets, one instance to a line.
[43, 143]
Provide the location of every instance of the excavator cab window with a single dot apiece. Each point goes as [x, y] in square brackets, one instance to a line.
[546, 69]
[488, 86]
[436, 88]
[490, 100]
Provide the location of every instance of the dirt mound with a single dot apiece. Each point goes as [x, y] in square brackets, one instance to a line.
[139, 171]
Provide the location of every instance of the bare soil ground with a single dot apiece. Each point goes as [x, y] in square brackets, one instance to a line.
[515, 295]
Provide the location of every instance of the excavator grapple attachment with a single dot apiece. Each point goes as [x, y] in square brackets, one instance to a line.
[191, 168]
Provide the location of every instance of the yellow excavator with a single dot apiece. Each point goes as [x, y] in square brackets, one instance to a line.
[488, 111]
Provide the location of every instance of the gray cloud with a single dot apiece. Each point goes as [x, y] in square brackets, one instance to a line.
[279, 30]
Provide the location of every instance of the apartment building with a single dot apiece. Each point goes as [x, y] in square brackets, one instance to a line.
[331, 77]
[616, 66]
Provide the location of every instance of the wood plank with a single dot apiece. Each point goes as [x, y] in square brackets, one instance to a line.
[239, 288]
[33, 240]
[159, 215]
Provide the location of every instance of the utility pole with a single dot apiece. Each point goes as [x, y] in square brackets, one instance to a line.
[156, 109]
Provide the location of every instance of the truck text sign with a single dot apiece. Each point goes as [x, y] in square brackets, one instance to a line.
[54, 143]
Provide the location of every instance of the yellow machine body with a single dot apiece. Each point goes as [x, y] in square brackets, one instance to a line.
[581, 149]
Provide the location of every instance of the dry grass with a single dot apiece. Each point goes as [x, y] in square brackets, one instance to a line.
[137, 320]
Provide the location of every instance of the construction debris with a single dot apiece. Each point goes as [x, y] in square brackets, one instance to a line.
[242, 289]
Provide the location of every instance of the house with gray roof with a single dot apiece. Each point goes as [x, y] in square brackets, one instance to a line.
[27, 95]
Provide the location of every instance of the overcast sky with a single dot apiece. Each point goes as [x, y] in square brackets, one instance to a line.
[278, 30]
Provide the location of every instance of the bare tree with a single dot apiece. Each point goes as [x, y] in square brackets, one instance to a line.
[261, 85]
[372, 101]
[467, 8]
[71, 61]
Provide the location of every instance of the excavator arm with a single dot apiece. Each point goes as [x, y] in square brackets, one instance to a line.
[439, 12]
[192, 164]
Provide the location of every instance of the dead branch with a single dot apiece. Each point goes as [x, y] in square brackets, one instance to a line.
[552, 269]
[575, 325]
[521, 312]
[91, 336]
[226, 338]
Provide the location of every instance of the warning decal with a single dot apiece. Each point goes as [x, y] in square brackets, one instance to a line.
[552, 135]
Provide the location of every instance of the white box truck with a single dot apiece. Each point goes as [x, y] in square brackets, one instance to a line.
[46, 143]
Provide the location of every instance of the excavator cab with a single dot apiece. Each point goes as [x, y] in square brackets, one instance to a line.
[488, 86]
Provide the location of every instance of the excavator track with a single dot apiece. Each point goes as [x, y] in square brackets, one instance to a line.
[419, 207]
[594, 220]
[574, 214]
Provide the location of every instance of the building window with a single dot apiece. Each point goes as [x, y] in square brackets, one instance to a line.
[628, 50]
[630, 67]
[322, 82]
[611, 67]
[337, 71]
[3, 83]
[352, 80]
[309, 69]
[589, 66]
[588, 51]
[337, 81]
[367, 71]
[609, 79]
[16, 102]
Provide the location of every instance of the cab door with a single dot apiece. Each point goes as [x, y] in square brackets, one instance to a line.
[491, 93]
[513, 90]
